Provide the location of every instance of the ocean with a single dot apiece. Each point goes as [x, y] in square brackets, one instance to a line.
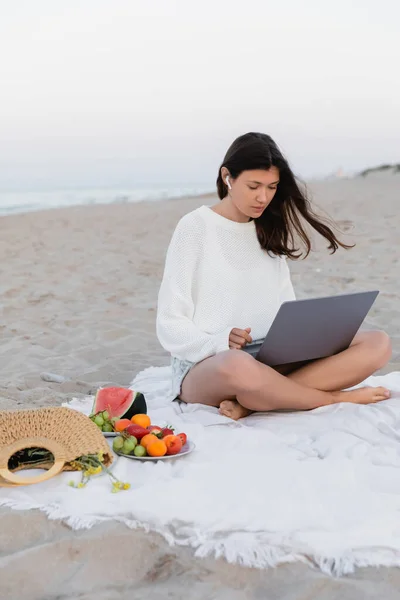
[27, 201]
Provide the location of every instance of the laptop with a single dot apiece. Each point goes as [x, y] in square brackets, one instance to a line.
[312, 328]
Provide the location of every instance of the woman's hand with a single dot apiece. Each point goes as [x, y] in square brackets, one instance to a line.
[238, 338]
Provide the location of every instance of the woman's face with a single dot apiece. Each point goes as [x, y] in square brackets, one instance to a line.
[252, 191]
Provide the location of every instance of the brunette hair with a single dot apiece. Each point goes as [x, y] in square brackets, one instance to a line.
[282, 219]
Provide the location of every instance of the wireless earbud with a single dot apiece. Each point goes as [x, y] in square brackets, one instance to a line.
[228, 183]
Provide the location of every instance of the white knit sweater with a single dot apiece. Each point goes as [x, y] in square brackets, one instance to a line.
[217, 277]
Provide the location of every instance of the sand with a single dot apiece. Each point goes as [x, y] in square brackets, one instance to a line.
[78, 292]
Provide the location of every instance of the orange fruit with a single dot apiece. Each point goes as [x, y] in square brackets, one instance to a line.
[148, 439]
[156, 448]
[142, 420]
[173, 443]
[122, 424]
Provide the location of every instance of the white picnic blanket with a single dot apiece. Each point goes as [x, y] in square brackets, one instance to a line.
[321, 487]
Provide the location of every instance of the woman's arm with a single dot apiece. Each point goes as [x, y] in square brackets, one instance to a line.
[286, 291]
[175, 328]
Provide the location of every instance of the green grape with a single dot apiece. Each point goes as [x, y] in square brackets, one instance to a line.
[106, 415]
[139, 451]
[108, 427]
[118, 443]
[99, 420]
[129, 445]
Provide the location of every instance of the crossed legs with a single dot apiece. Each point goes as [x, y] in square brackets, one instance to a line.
[238, 384]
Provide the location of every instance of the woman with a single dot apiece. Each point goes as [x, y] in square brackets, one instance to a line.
[225, 277]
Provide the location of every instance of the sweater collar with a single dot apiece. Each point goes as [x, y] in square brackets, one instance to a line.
[211, 216]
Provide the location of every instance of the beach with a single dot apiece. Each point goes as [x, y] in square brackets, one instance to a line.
[78, 291]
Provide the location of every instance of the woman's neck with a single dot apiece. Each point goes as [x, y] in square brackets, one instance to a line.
[227, 209]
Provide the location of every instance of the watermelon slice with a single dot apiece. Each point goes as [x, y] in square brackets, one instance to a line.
[119, 402]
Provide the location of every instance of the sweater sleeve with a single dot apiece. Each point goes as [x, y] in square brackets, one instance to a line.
[176, 331]
[286, 291]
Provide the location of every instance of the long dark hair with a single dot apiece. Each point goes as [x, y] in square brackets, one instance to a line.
[282, 219]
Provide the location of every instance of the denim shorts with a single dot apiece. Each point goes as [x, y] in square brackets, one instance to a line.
[180, 368]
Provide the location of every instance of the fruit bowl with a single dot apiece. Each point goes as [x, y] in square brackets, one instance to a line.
[186, 449]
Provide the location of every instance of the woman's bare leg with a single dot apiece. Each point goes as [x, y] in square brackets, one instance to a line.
[236, 375]
[368, 352]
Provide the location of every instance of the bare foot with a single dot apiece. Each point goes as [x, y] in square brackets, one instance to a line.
[365, 395]
[233, 410]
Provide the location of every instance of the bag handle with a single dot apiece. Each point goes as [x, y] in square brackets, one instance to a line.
[35, 442]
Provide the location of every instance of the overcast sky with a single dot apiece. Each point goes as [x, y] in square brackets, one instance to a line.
[128, 92]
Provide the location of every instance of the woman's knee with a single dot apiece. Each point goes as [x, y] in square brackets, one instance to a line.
[381, 348]
[239, 369]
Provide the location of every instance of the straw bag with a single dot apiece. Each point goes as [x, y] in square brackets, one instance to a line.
[66, 433]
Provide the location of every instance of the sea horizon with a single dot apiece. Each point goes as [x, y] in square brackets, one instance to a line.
[24, 201]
